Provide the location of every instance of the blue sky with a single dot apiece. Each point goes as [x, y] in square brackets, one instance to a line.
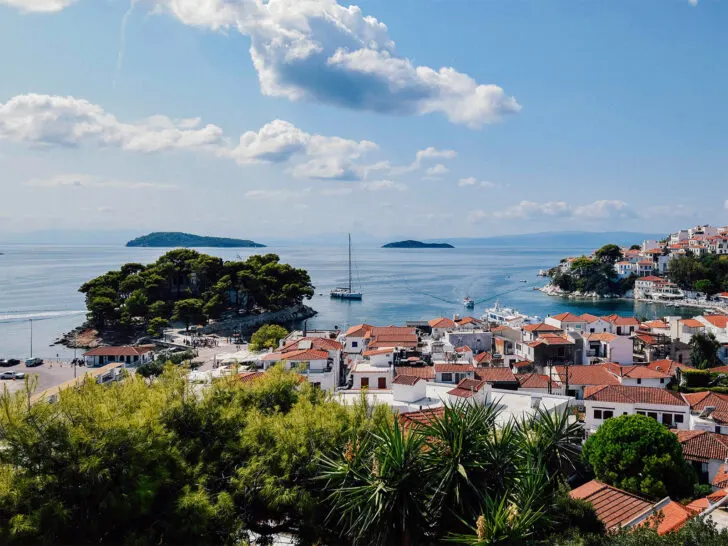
[422, 118]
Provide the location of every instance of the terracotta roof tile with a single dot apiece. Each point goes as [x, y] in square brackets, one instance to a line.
[692, 323]
[586, 375]
[632, 395]
[536, 381]
[613, 506]
[442, 322]
[317, 343]
[125, 350]
[495, 375]
[603, 336]
[298, 356]
[467, 388]
[568, 317]
[660, 324]
[483, 357]
[459, 368]
[425, 372]
[250, 377]
[702, 446]
[358, 330]
[670, 517]
[700, 400]
[374, 352]
[413, 419]
[719, 321]
[406, 380]
[634, 371]
[541, 327]
[721, 477]
[668, 366]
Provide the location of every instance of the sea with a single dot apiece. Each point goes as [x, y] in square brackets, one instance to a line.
[41, 282]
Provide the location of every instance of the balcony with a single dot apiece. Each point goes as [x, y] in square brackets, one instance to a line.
[309, 371]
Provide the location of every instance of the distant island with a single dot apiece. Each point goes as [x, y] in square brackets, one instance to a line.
[416, 244]
[173, 239]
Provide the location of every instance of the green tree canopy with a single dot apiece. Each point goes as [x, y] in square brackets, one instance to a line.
[267, 337]
[704, 351]
[189, 311]
[609, 254]
[638, 454]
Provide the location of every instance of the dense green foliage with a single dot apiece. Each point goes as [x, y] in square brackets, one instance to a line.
[140, 463]
[696, 532]
[172, 239]
[704, 351]
[267, 337]
[638, 454]
[708, 274]
[191, 287]
[594, 275]
[702, 379]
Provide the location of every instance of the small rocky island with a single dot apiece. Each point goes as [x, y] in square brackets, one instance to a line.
[174, 239]
[416, 244]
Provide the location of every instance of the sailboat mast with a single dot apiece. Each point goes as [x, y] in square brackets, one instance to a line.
[349, 262]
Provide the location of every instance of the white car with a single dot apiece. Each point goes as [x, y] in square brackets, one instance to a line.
[12, 375]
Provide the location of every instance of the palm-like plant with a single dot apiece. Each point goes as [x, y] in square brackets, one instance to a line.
[553, 438]
[378, 492]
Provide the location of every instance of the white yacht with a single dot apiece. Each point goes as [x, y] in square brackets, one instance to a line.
[507, 316]
[346, 293]
[468, 303]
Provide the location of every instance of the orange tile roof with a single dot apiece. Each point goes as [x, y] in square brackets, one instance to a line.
[298, 356]
[668, 366]
[450, 368]
[483, 357]
[651, 278]
[702, 446]
[406, 380]
[522, 364]
[442, 322]
[656, 324]
[721, 477]
[468, 320]
[568, 317]
[715, 496]
[377, 331]
[700, 400]
[603, 336]
[670, 517]
[692, 323]
[358, 330]
[536, 381]
[463, 349]
[646, 338]
[719, 321]
[425, 372]
[495, 375]
[587, 375]
[590, 318]
[634, 371]
[250, 377]
[318, 343]
[698, 505]
[467, 388]
[554, 339]
[613, 506]
[541, 327]
[618, 320]
[413, 419]
[125, 350]
[632, 395]
[373, 352]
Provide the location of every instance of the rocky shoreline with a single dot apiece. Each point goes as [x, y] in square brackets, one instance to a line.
[551, 290]
[86, 337]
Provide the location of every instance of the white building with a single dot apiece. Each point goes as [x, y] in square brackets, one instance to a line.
[476, 339]
[708, 411]
[313, 364]
[407, 388]
[446, 372]
[610, 347]
[707, 451]
[355, 339]
[567, 321]
[440, 326]
[128, 355]
[606, 401]
[639, 376]
[625, 268]
[596, 325]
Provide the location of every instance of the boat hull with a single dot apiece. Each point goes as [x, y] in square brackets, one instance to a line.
[346, 296]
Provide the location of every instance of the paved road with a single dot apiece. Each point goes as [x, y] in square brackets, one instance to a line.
[49, 375]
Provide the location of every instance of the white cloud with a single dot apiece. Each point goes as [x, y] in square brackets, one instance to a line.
[421, 156]
[324, 52]
[337, 192]
[85, 181]
[437, 170]
[725, 205]
[38, 6]
[433, 153]
[693, 2]
[477, 216]
[605, 209]
[46, 121]
[531, 209]
[380, 185]
[264, 195]
[472, 181]
[105, 209]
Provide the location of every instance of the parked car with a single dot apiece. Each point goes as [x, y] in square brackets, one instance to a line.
[33, 362]
[12, 375]
[9, 361]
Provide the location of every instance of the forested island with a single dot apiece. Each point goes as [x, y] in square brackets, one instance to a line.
[190, 287]
[175, 239]
[416, 244]
[593, 275]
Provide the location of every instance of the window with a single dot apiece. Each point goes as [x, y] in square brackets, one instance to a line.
[667, 419]
[678, 418]
[316, 385]
[447, 378]
[382, 383]
[652, 414]
[608, 414]
[591, 330]
[561, 351]
[717, 429]
[597, 414]
[354, 343]
[639, 381]
[364, 382]
[662, 381]
[640, 413]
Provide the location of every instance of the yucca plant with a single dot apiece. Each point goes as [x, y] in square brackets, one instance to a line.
[378, 490]
[553, 438]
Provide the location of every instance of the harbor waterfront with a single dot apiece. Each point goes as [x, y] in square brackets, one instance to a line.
[41, 283]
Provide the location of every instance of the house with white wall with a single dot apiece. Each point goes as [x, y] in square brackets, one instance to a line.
[446, 372]
[638, 376]
[127, 355]
[708, 411]
[355, 339]
[603, 402]
[538, 383]
[610, 347]
[476, 339]
[470, 391]
[622, 326]
[406, 388]
[595, 324]
[312, 364]
[581, 377]
[567, 321]
[707, 451]
[440, 326]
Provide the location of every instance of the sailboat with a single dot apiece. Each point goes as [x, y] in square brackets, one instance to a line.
[346, 293]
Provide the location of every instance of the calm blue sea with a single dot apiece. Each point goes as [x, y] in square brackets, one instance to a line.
[41, 283]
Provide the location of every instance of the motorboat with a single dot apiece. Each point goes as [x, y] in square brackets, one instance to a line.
[468, 303]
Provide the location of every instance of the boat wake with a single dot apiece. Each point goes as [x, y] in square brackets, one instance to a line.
[21, 316]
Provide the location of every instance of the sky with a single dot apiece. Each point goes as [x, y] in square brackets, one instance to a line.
[421, 118]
